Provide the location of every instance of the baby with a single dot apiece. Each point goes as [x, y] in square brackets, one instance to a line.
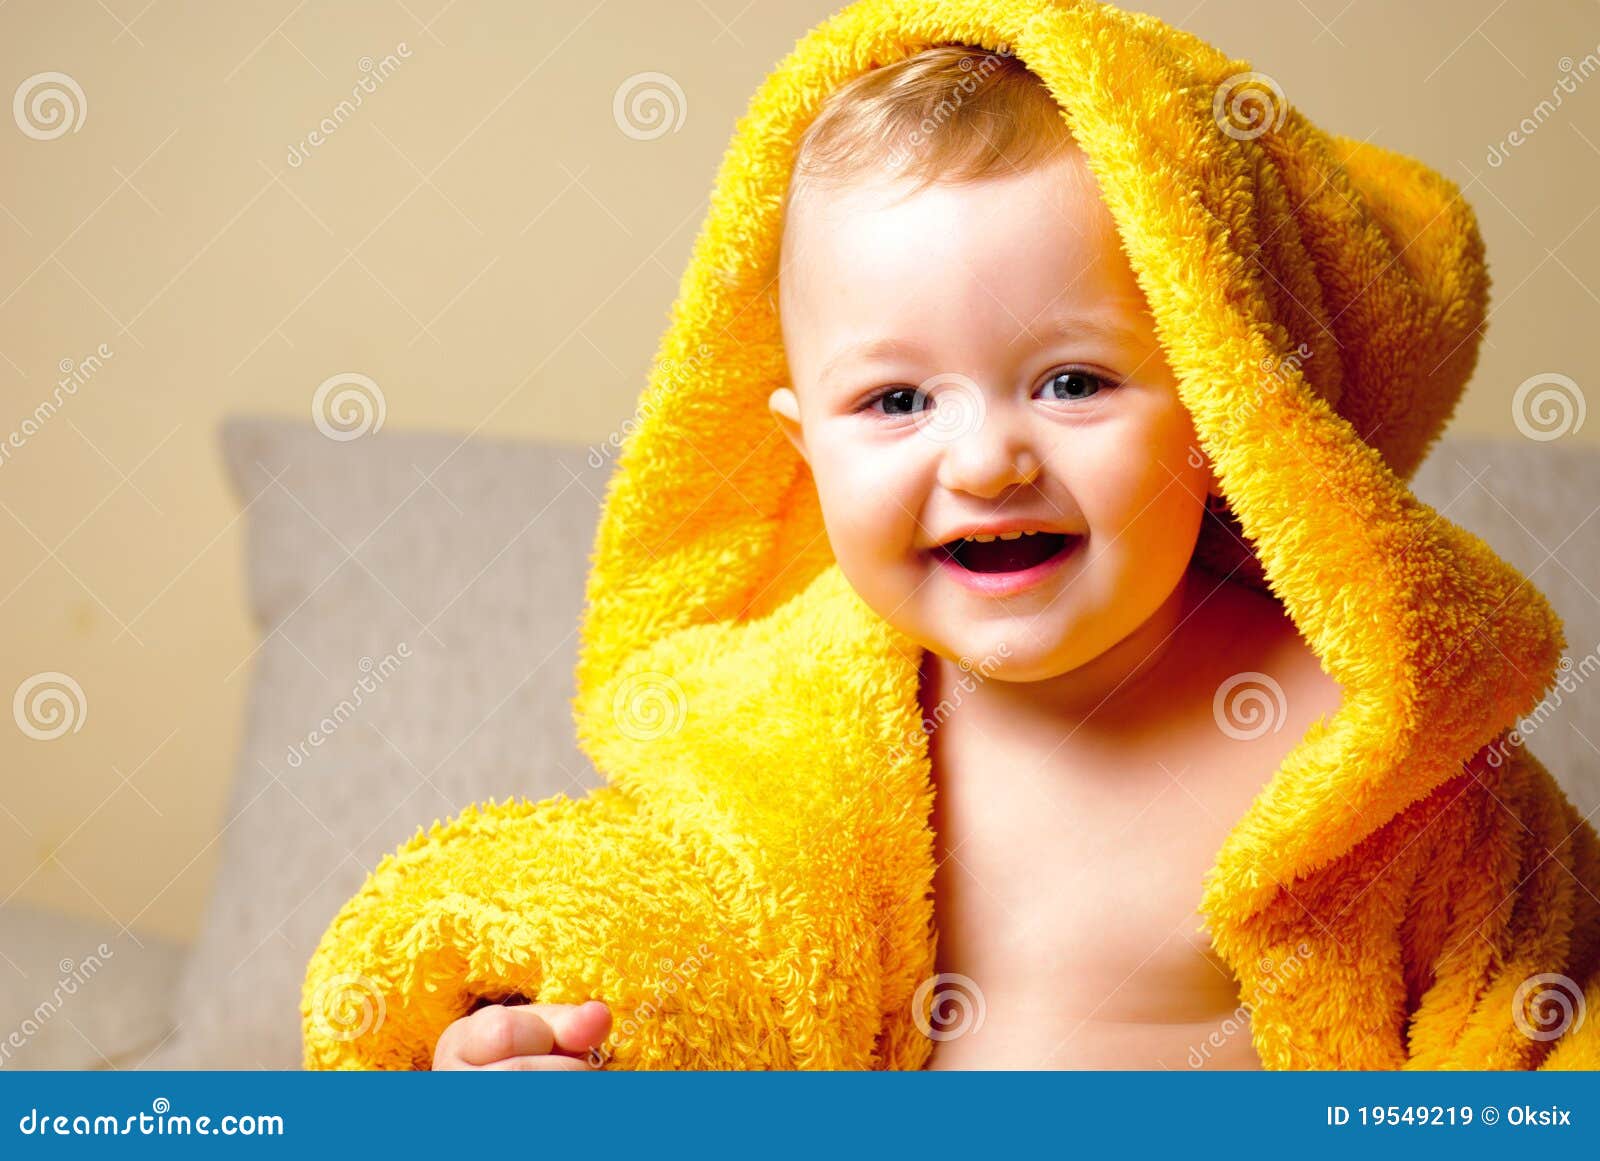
[969, 349]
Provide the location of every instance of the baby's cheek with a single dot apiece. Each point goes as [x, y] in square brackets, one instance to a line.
[857, 497]
[1145, 467]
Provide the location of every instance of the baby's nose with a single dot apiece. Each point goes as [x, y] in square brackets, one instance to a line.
[993, 455]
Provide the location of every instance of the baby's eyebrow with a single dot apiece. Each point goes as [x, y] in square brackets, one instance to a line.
[1048, 329]
[880, 348]
[1069, 326]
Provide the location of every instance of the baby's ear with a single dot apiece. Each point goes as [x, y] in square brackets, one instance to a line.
[785, 407]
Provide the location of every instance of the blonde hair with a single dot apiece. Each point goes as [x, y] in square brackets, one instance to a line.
[952, 113]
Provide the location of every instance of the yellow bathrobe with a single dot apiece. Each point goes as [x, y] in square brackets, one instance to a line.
[752, 886]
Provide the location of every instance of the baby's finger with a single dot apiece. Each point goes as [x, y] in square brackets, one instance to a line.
[578, 1027]
[499, 1032]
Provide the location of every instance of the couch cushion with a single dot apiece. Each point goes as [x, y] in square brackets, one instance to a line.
[77, 993]
[418, 597]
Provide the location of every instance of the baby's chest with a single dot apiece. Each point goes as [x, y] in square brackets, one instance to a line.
[1105, 975]
[1075, 932]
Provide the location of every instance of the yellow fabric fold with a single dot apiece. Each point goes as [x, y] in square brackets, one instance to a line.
[1321, 302]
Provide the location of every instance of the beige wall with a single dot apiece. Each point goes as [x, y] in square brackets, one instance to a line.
[482, 240]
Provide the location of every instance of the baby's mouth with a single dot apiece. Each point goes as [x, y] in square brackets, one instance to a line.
[997, 555]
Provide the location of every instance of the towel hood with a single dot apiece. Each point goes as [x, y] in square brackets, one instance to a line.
[1320, 300]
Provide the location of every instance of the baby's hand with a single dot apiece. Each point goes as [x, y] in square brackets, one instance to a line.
[520, 1036]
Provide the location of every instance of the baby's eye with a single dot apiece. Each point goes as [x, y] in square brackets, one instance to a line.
[1074, 386]
[900, 400]
[1066, 386]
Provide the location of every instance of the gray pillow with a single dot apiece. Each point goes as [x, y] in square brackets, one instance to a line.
[76, 993]
[418, 597]
[1535, 504]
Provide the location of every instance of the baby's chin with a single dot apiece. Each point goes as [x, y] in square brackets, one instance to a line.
[1017, 656]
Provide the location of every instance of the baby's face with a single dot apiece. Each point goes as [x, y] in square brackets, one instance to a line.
[980, 354]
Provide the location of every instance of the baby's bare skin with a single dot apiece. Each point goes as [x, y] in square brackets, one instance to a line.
[1071, 857]
[525, 1037]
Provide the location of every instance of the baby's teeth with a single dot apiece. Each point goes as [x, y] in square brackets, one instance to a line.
[985, 538]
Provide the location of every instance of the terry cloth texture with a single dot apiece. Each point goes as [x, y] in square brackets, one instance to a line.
[752, 887]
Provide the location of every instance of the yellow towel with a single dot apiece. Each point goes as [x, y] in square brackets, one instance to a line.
[752, 887]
